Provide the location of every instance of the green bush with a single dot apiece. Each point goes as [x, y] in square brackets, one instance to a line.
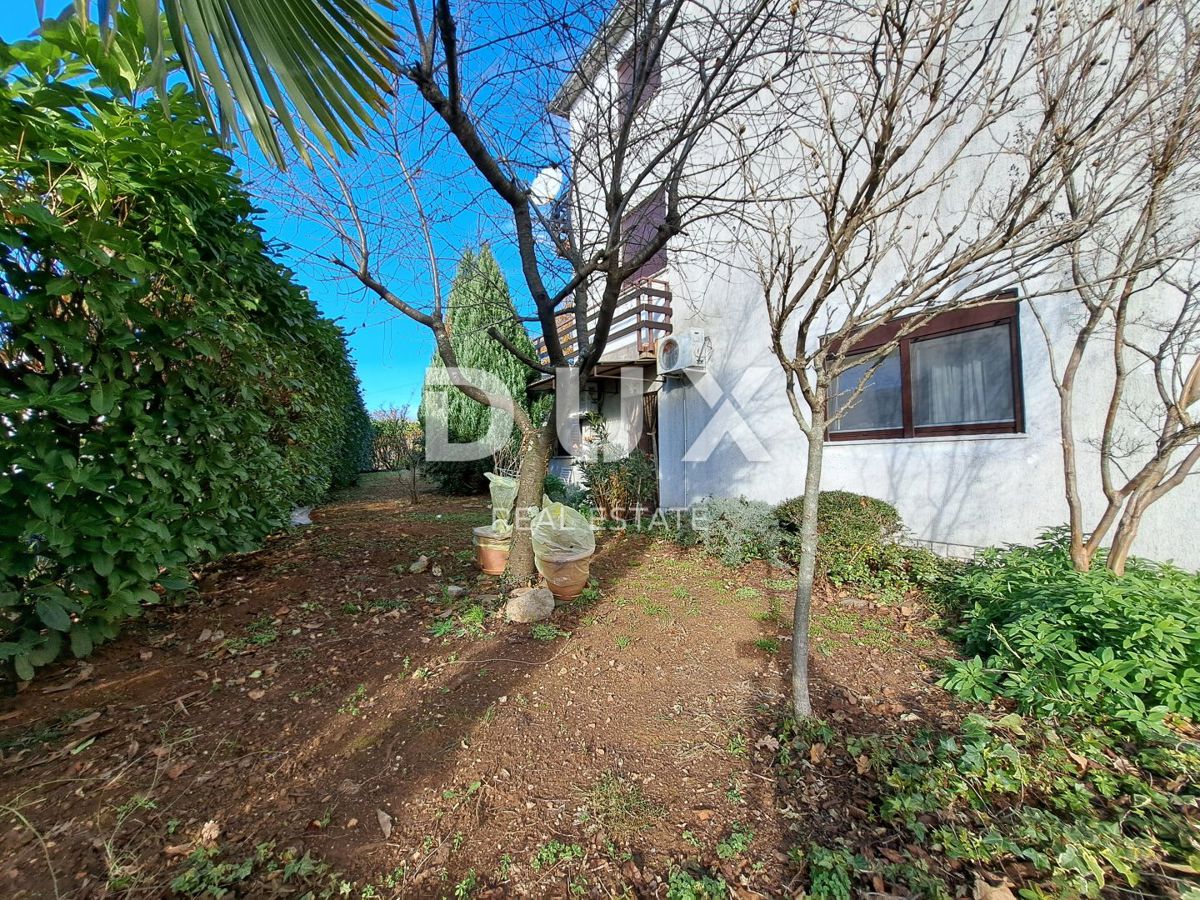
[167, 393]
[735, 530]
[1060, 641]
[615, 487]
[479, 301]
[858, 545]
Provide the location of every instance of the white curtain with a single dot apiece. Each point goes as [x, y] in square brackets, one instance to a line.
[963, 379]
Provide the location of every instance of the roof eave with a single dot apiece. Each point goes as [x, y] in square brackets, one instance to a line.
[594, 57]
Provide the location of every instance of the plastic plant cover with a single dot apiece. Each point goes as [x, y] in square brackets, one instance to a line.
[559, 531]
[504, 494]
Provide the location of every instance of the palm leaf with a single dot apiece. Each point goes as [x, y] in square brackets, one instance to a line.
[322, 63]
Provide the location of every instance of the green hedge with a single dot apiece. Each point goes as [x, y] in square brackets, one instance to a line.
[167, 392]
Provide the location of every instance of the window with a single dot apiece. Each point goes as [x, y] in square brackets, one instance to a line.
[635, 65]
[958, 374]
[638, 230]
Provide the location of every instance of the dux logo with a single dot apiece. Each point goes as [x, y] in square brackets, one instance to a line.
[725, 422]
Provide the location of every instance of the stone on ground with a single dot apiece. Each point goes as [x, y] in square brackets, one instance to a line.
[529, 605]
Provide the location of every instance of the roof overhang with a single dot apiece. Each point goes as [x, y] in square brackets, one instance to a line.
[619, 21]
[602, 371]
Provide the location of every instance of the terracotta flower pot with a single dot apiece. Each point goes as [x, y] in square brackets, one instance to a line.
[566, 574]
[491, 550]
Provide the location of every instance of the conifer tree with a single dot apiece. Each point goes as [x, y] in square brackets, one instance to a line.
[479, 299]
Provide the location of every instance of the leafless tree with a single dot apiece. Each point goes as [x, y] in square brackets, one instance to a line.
[918, 182]
[648, 134]
[1134, 327]
[398, 445]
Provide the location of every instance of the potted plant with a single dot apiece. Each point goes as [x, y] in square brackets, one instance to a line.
[563, 544]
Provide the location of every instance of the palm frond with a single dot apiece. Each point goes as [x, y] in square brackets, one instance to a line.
[322, 63]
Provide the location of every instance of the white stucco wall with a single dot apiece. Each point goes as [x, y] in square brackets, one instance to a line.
[957, 493]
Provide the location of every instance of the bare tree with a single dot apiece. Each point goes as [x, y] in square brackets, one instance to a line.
[398, 445]
[484, 120]
[918, 182]
[1134, 329]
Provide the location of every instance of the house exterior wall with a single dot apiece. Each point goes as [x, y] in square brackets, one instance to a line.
[954, 493]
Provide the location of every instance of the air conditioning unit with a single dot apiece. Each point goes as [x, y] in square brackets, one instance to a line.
[685, 351]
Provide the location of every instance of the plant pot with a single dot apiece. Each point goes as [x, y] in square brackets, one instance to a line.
[566, 574]
[491, 550]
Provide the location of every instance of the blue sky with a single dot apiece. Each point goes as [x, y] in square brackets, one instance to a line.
[390, 351]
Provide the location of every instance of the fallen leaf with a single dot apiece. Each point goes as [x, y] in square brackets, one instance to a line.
[863, 764]
[86, 720]
[767, 742]
[816, 753]
[209, 832]
[385, 823]
[985, 891]
[179, 768]
[256, 694]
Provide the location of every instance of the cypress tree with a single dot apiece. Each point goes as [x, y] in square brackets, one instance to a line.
[479, 300]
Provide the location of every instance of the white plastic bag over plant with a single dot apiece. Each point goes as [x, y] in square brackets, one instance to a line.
[560, 531]
[504, 494]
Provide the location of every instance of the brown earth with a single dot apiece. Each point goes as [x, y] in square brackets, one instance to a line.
[301, 703]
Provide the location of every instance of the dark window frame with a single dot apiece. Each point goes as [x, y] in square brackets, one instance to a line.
[1005, 311]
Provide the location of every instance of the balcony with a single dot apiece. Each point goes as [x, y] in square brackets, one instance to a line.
[642, 316]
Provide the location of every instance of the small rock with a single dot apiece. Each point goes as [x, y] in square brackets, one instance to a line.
[455, 591]
[530, 605]
[385, 821]
[436, 571]
[419, 566]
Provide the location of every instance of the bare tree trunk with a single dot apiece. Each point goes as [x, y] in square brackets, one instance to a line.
[531, 478]
[1131, 521]
[806, 570]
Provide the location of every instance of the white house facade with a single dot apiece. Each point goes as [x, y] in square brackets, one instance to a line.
[959, 428]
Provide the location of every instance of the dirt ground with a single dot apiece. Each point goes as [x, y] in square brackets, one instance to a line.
[318, 699]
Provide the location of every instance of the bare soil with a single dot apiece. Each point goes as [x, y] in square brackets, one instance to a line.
[302, 703]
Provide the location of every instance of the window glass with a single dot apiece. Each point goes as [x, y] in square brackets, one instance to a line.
[879, 406]
[963, 379]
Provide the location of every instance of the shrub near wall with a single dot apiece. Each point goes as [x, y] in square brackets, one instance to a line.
[167, 393]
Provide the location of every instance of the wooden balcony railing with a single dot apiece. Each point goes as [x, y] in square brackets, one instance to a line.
[644, 311]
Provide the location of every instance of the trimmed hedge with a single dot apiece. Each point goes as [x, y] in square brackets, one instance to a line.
[858, 545]
[167, 392]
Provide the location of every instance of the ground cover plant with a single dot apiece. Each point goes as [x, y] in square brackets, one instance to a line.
[1062, 642]
[169, 393]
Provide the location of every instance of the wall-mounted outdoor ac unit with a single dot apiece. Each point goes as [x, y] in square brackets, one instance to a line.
[683, 351]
